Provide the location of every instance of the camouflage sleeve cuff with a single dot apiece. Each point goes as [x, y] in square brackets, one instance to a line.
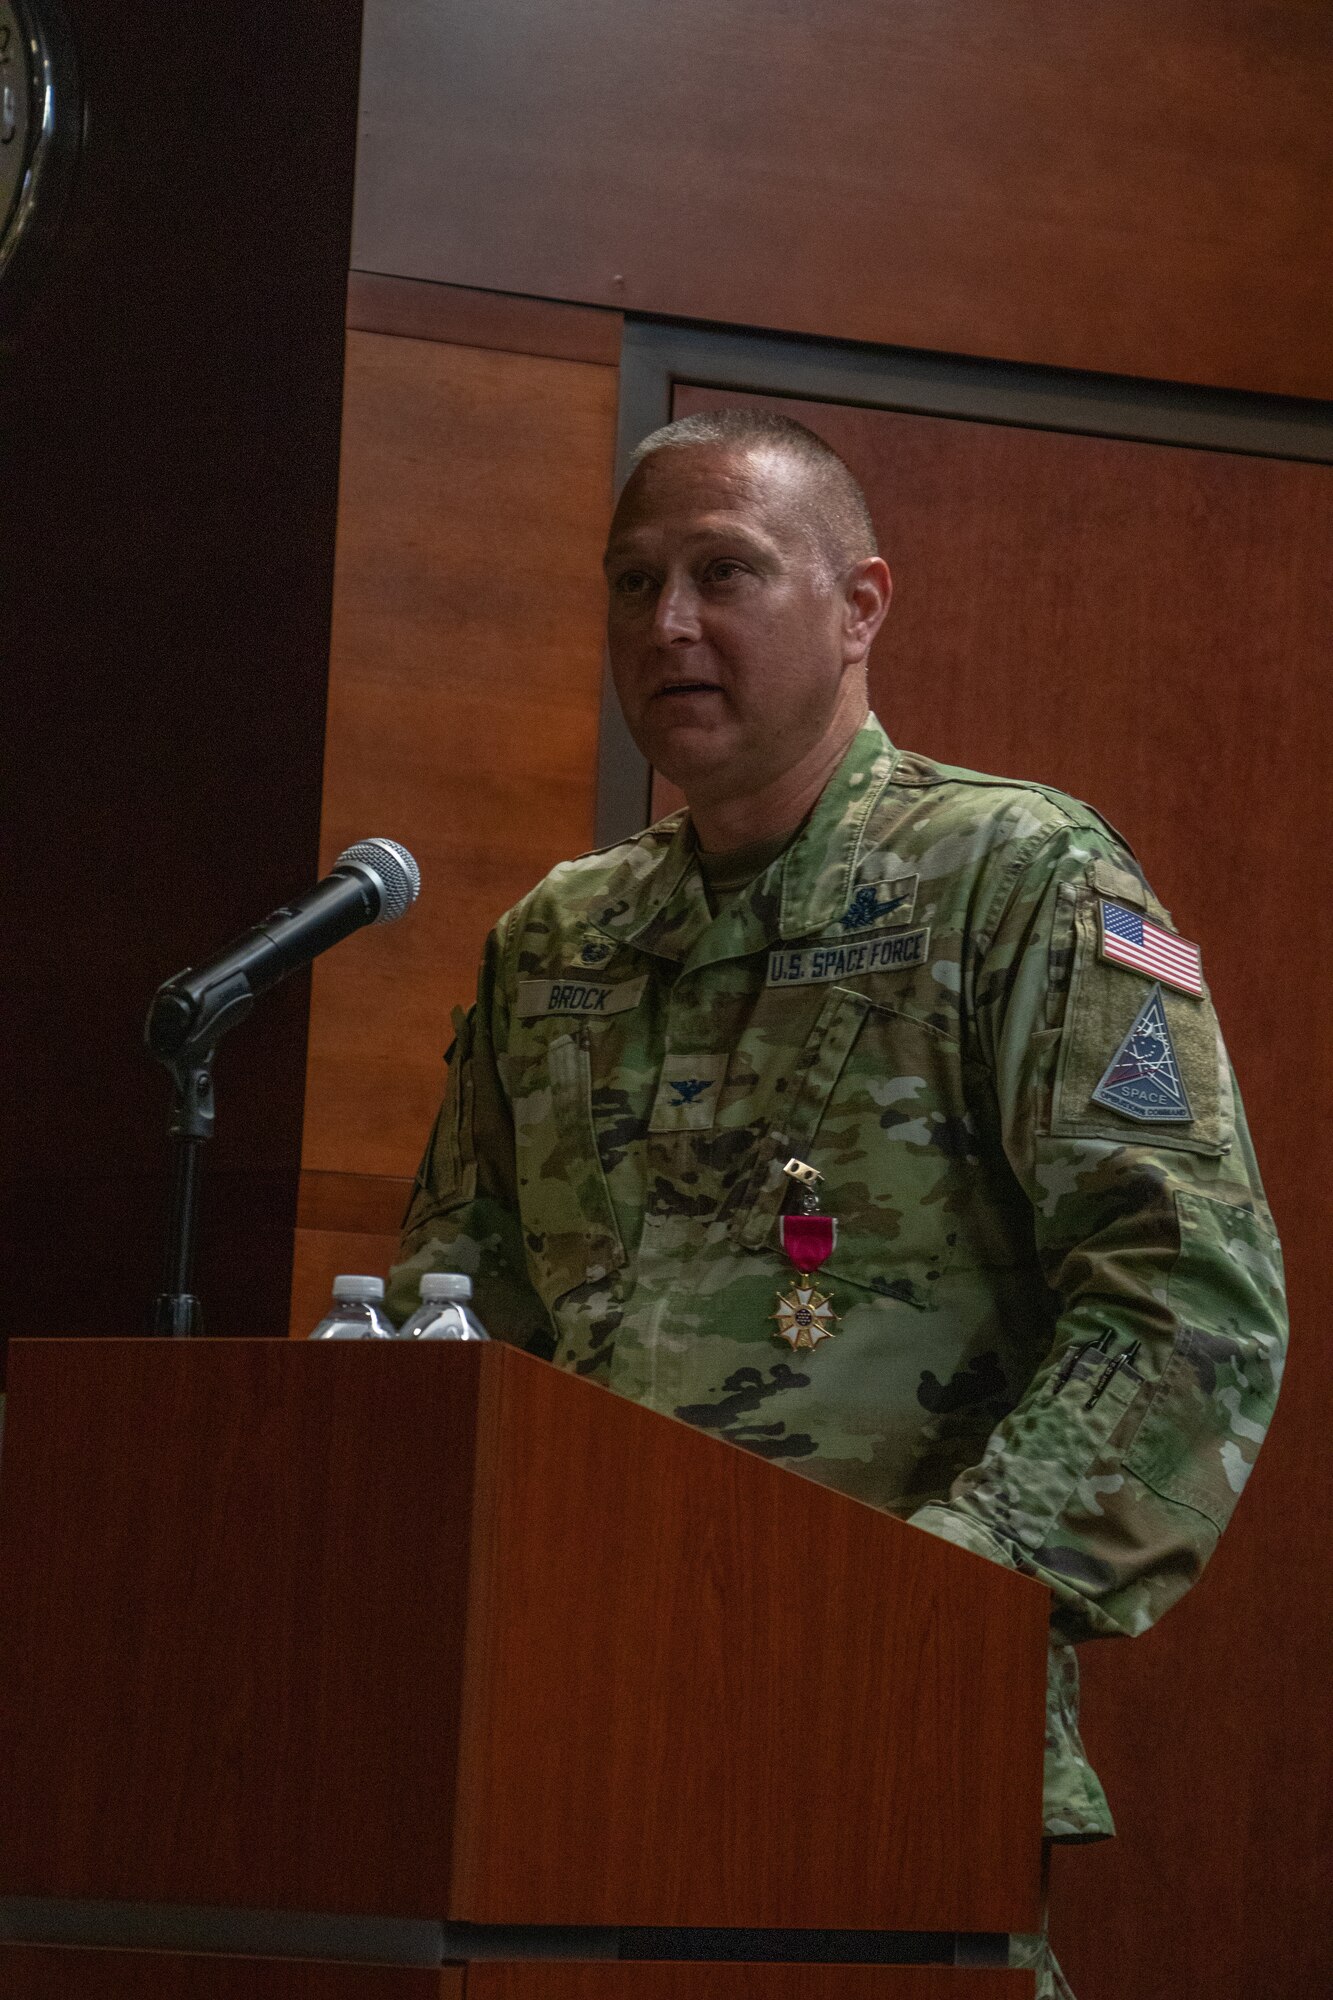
[938, 1519]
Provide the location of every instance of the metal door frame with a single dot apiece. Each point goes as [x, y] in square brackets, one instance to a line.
[658, 354]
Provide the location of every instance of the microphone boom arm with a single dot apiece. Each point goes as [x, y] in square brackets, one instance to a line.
[193, 1010]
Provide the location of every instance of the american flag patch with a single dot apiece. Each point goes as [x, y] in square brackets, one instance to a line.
[1129, 939]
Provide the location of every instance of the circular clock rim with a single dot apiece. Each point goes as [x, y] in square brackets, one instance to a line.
[56, 118]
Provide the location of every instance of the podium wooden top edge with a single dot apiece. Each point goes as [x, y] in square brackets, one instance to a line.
[503, 1357]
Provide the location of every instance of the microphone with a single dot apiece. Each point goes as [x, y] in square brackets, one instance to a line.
[372, 882]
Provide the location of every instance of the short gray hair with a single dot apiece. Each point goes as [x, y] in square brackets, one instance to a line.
[837, 513]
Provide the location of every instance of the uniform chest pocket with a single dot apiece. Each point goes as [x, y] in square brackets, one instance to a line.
[569, 1224]
[874, 1101]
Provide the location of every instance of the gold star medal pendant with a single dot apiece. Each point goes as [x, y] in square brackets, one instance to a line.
[805, 1316]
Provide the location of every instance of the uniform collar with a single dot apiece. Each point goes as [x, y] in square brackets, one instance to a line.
[820, 866]
[656, 899]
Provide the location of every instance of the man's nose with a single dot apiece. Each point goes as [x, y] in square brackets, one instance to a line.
[676, 615]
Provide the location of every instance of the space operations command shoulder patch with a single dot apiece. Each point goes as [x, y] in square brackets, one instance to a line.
[895, 952]
[1143, 1078]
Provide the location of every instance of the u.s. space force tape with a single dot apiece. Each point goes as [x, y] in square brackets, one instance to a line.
[896, 952]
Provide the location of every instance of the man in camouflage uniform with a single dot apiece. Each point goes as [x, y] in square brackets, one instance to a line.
[1058, 1291]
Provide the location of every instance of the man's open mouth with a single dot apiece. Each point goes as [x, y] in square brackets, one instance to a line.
[690, 687]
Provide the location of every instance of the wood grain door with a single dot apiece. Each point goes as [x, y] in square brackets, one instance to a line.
[1149, 627]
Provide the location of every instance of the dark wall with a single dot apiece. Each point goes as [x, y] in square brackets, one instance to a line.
[1139, 187]
[169, 416]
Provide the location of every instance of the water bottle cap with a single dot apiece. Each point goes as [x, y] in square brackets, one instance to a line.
[445, 1285]
[368, 1291]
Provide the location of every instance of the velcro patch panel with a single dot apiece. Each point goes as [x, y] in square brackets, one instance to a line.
[687, 1095]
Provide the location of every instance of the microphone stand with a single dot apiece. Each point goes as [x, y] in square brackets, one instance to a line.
[373, 881]
[183, 1032]
[176, 1312]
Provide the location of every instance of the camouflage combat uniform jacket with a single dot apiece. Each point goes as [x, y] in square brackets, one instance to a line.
[915, 999]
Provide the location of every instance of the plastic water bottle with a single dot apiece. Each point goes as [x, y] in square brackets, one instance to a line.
[357, 1312]
[444, 1313]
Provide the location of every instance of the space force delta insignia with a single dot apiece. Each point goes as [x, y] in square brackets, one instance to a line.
[883, 904]
[898, 951]
[1143, 1078]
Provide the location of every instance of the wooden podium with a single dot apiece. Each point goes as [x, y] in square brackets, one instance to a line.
[361, 1671]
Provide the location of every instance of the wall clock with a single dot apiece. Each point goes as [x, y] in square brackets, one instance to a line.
[39, 123]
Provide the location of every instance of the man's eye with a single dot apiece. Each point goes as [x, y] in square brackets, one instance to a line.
[724, 570]
[631, 583]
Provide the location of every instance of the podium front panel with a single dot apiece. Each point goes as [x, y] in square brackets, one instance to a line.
[233, 1587]
[446, 1634]
[702, 1689]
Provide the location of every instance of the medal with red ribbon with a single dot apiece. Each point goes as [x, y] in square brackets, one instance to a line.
[805, 1316]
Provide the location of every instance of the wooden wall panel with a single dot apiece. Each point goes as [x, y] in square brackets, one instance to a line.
[1150, 628]
[468, 318]
[1137, 187]
[463, 702]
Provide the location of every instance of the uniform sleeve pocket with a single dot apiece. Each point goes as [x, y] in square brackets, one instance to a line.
[1210, 1409]
[447, 1176]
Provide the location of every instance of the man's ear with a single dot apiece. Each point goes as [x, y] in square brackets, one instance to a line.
[867, 590]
